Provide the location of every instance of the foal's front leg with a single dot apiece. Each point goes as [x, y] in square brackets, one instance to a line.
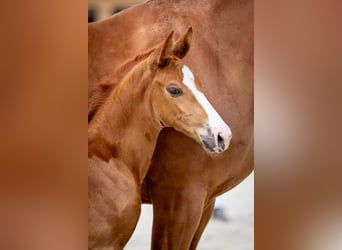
[113, 207]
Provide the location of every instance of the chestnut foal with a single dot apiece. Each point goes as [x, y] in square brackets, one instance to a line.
[160, 91]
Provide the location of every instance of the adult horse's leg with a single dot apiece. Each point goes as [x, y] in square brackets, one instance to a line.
[175, 223]
[177, 203]
[206, 215]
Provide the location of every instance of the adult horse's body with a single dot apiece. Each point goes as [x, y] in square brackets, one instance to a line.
[159, 91]
[182, 182]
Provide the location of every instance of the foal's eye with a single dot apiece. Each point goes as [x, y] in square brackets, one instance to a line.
[174, 90]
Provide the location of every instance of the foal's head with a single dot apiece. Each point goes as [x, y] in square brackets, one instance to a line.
[177, 100]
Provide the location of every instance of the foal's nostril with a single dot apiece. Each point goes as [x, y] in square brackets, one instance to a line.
[220, 141]
[219, 138]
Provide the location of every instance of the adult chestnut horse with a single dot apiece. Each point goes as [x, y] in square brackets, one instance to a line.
[159, 91]
[183, 181]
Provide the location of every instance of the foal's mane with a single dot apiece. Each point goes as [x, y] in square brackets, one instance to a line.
[101, 90]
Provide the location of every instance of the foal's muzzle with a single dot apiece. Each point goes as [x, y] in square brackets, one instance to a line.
[216, 140]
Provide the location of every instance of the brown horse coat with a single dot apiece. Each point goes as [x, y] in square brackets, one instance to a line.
[183, 181]
[159, 91]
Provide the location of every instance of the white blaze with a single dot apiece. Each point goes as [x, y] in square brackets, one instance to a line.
[214, 119]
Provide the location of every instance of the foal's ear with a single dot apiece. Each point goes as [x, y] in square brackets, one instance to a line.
[160, 57]
[182, 46]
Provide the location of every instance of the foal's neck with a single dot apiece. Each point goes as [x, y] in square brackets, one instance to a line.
[125, 127]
